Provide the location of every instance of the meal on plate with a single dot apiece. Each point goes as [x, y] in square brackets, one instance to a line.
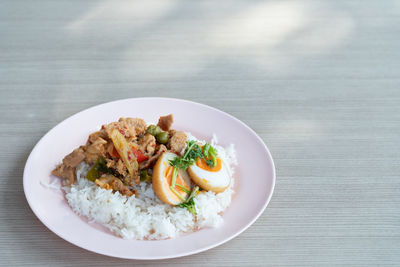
[148, 181]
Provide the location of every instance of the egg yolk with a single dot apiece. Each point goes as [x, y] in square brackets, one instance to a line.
[179, 180]
[202, 164]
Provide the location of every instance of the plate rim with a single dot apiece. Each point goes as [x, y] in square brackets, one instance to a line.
[178, 255]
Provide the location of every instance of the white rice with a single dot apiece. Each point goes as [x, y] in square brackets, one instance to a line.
[144, 216]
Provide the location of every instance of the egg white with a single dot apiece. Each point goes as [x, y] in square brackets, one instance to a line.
[210, 181]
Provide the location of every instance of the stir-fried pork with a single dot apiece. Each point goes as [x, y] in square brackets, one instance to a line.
[111, 171]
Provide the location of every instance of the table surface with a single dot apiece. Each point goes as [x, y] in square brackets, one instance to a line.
[319, 81]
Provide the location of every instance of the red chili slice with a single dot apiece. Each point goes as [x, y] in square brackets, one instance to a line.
[139, 155]
[114, 153]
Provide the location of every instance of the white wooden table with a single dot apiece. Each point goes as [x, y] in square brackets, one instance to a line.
[319, 81]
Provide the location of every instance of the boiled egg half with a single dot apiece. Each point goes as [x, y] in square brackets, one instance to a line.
[215, 179]
[162, 178]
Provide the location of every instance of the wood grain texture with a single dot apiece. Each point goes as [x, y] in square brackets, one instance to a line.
[319, 81]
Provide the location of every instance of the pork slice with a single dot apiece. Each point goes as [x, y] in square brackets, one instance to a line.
[111, 126]
[137, 124]
[75, 157]
[67, 168]
[95, 150]
[165, 122]
[152, 160]
[95, 135]
[177, 142]
[110, 150]
[121, 168]
[66, 172]
[129, 179]
[109, 181]
[147, 144]
[117, 185]
[131, 128]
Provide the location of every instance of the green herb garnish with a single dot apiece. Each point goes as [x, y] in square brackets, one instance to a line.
[174, 175]
[176, 193]
[189, 203]
[193, 193]
[192, 152]
[210, 155]
[184, 189]
[190, 206]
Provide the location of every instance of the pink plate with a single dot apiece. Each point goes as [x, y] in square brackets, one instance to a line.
[255, 177]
